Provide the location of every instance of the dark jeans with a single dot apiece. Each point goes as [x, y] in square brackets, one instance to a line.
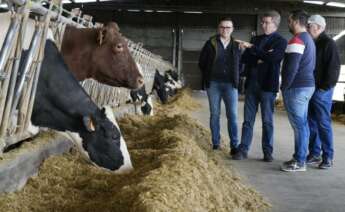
[254, 97]
[320, 124]
[296, 102]
[216, 92]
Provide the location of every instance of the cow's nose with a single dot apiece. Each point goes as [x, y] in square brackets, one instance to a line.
[140, 81]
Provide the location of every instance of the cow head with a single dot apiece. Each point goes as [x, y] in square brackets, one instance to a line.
[160, 87]
[103, 143]
[114, 64]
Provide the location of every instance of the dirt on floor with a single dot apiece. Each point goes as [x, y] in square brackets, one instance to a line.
[175, 170]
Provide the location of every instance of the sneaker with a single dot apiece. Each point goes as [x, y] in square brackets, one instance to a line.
[326, 164]
[268, 158]
[293, 166]
[311, 159]
[239, 155]
[233, 151]
[215, 147]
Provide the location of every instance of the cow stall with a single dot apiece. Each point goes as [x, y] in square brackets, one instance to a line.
[18, 89]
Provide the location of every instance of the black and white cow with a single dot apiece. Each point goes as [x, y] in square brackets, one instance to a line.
[145, 100]
[172, 82]
[166, 85]
[159, 87]
[62, 104]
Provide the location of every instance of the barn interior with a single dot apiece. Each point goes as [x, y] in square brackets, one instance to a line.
[175, 32]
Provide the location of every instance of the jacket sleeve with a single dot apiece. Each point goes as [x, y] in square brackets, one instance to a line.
[293, 56]
[332, 64]
[248, 57]
[275, 54]
[203, 58]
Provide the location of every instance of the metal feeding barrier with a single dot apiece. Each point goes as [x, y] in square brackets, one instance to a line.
[17, 90]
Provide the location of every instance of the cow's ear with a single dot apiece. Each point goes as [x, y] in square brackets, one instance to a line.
[101, 36]
[89, 123]
[113, 26]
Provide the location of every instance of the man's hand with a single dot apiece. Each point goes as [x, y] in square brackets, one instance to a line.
[244, 44]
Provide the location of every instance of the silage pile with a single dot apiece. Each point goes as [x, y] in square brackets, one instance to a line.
[174, 171]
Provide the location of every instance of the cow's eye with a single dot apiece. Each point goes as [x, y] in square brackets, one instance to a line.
[118, 48]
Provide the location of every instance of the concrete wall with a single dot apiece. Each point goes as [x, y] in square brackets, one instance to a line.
[156, 39]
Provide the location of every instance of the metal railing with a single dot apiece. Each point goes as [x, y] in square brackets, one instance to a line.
[17, 91]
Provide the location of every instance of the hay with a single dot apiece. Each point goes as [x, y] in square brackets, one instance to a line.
[174, 171]
[340, 118]
[182, 102]
[279, 104]
[35, 142]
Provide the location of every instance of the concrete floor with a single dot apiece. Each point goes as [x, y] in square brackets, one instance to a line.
[314, 190]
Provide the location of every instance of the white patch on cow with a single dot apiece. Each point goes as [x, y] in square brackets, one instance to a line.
[149, 101]
[127, 165]
[178, 84]
[170, 85]
[78, 142]
[140, 69]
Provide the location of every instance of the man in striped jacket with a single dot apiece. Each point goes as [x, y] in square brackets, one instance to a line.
[298, 85]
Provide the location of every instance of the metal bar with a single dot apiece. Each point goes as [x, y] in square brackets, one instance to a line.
[38, 69]
[17, 2]
[8, 43]
[174, 47]
[27, 64]
[23, 16]
[179, 57]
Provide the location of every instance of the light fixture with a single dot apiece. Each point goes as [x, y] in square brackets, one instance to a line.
[164, 11]
[314, 2]
[193, 12]
[338, 36]
[84, 1]
[66, 1]
[335, 4]
[148, 11]
[133, 10]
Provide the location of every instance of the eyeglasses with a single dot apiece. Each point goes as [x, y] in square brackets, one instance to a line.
[265, 22]
[225, 27]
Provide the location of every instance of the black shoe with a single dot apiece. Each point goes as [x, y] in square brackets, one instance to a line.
[326, 164]
[239, 155]
[233, 151]
[215, 147]
[268, 158]
[311, 159]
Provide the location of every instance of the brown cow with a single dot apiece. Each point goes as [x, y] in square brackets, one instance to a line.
[101, 54]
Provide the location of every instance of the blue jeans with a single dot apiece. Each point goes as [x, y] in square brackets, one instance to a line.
[254, 97]
[216, 92]
[296, 102]
[320, 124]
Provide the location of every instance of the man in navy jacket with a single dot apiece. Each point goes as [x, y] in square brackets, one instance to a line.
[262, 59]
[219, 64]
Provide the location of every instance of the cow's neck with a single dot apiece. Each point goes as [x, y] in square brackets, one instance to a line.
[77, 48]
[60, 101]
